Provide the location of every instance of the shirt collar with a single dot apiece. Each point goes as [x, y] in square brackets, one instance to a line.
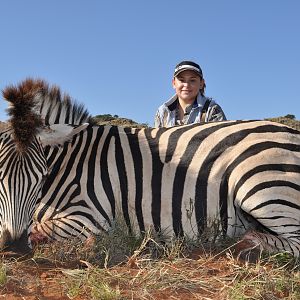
[173, 102]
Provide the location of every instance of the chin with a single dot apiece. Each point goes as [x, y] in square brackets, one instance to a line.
[188, 99]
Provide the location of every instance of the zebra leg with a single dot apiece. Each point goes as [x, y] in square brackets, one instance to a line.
[254, 243]
[271, 210]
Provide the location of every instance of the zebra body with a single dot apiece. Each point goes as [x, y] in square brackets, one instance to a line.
[244, 174]
[176, 180]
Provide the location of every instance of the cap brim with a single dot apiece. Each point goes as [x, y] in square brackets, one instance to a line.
[187, 69]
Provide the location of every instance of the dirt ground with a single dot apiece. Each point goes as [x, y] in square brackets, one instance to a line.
[59, 273]
[42, 280]
[198, 276]
[32, 281]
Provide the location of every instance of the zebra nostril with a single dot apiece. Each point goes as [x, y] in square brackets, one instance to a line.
[17, 246]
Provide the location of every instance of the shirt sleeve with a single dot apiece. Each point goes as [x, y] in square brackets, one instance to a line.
[215, 113]
[157, 120]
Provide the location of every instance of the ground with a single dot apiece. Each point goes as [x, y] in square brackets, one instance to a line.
[199, 276]
[33, 280]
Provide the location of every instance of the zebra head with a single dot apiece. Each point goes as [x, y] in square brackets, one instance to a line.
[23, 164]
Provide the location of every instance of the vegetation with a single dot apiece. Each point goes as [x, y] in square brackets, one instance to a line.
[287, 120]
[2, 125]
[3, 274]
[121, 265]
[108, 119]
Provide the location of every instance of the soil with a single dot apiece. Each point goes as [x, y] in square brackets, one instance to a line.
[43, 280]
[33, 281]
[60, 272]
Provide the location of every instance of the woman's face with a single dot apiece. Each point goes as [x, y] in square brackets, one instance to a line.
[187, 85]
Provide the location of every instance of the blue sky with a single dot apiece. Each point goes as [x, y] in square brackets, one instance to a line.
[118, 57]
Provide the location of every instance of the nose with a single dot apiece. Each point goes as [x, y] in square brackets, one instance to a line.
[15, 247]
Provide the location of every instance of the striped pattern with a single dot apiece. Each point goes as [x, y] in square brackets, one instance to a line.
[34, 106]
[245, 174]
[20, 188]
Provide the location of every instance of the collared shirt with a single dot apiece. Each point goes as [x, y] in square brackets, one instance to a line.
[166, 113]
[187, 112]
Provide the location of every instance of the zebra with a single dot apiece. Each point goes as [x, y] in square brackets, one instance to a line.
[244, 173]
[23, 165]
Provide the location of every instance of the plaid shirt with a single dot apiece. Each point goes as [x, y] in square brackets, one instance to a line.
[167, 114]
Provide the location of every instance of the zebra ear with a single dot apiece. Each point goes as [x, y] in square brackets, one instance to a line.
[58, 134]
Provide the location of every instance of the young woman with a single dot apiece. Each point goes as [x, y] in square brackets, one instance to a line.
[189, 104]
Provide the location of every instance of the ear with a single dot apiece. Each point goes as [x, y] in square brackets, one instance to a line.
[202, 83]
[58, 134]
[173, 83]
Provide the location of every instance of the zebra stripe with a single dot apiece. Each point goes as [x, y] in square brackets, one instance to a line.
[23, 163]
[179, 179]
[19, 187]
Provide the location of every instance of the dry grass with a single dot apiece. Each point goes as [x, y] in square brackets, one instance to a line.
[122, 266]
[119, 265]
[182, 274]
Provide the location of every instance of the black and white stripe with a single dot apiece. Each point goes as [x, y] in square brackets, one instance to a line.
[20, 188]
[244, 173]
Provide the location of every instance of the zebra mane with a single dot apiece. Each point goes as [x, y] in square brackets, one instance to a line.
[33, 103]
[58, 108]
[24, 120]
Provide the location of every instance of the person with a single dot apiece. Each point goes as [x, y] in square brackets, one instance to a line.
[189, 104]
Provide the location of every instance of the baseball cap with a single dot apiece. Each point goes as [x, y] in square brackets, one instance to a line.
[188, 65]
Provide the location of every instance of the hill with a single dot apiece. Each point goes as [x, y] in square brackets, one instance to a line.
[115, 120]
[288, 120]
[2, 125]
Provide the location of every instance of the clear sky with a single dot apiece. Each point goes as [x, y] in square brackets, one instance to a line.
[118, 56]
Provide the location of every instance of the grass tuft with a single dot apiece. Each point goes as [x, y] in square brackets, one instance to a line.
[3, 274]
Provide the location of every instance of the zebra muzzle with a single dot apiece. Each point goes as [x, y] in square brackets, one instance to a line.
[17, 247]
